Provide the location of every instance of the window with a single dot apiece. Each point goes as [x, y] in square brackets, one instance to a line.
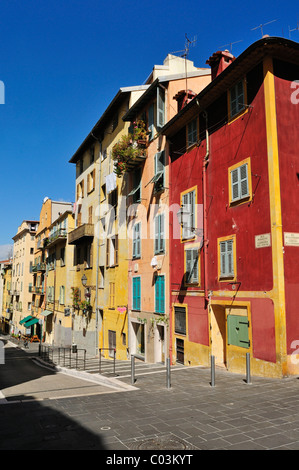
[137, 240]
[62, 256]
[151, 123]
[192, 133]
[160, 294]
[237, 99]
[240, 182]
[111, 294]
[91, 181]
[159, 234]
[159, 171]
[136, 293]
[227, 258]
[136, 191]
[112, 251]
[188, 205]
[180, 320]
[160, 107]
[102, 277]
[191, 266]
[61, 295]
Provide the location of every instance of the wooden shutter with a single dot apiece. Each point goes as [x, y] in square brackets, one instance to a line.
[227, 258]
[116, 250]
[136, 293]
[160, 294]
[238, 331]
[160, 107]
[151, 121]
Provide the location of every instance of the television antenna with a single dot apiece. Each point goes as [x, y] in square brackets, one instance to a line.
[262, 26]
[230, 44]
[188, 44]
[295, 29]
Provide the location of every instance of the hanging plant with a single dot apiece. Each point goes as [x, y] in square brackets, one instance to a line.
[129, 147]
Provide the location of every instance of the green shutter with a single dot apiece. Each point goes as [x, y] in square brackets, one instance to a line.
[151, 121]
[238, 331]
[136, 293]
[160, 294]
[160, 107]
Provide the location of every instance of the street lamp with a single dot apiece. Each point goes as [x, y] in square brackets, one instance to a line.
[84, 280]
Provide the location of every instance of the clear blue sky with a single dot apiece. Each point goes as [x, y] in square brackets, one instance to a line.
[63, 61]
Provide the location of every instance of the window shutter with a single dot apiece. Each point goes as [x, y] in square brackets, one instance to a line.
[157, 234]
[107, 251]
[151, 121]
[161, 244]
[136, 293]
[160, 294]
[160, 107]
[116, 250]
[244, 181]
[235, 184]
[226, 258]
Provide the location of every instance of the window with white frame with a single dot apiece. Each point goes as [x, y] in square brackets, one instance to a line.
[160, 107]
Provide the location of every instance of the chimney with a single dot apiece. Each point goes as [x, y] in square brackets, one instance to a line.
[219, 61]
[183, 97]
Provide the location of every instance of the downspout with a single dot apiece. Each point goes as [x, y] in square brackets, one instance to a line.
[97, 236]
[205, 212]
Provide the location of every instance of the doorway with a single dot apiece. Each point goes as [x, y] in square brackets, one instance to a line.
[160, 346]
[111, 342]
[218, 335]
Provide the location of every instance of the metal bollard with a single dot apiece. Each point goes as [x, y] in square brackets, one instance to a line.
[168, 382]
[213, 371]
[248, 374]
[132, 369]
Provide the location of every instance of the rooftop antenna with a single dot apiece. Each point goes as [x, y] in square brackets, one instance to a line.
[262, 26]
[295, 29]
[230, 44]
[185, 54]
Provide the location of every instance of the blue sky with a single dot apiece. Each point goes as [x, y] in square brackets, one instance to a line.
[63, 61]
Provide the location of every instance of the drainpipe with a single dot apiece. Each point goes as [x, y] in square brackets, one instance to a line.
[205, 213]
[97, 237]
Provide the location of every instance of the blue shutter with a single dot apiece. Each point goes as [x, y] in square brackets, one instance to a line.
[136, 293]
[160, 294]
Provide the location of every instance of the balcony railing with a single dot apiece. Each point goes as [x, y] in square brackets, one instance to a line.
[39, 267]
[60, 234]
[80, 234]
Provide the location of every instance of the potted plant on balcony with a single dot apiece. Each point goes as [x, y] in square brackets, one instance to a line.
[129, 147]
[85, 306]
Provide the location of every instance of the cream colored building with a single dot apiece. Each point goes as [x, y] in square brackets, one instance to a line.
[22, 277]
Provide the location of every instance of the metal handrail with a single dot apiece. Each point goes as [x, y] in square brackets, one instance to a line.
[100, 361]
[46, 350]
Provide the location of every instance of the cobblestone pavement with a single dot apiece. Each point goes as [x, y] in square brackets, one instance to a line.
[189, 416]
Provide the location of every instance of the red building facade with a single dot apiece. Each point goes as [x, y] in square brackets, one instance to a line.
[234, 171]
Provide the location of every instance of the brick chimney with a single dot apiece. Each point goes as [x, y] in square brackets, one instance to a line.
[219, 61]
[183, 97]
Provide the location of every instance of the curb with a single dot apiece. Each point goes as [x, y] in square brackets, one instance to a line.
[99, 379]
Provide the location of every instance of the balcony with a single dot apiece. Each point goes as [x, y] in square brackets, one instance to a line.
[39, 267]
[81, 234]
[59, 235]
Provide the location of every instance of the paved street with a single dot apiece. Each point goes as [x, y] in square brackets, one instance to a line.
[41, 409]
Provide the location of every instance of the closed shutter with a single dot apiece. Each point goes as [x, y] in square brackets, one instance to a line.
[160, 107]
[192, 276]
[227, 258]
[136, 293]
[160, 294]
[238, 331]
[151, 121]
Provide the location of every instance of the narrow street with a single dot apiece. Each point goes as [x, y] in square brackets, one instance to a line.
[44, 410]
